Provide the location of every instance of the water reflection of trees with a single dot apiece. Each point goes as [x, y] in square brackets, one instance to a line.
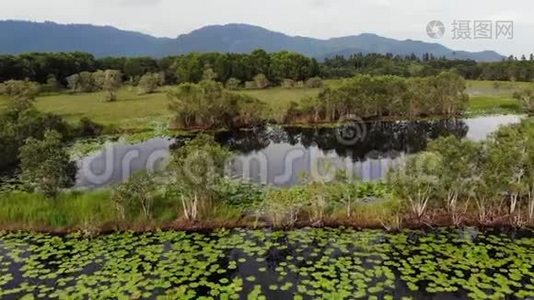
[378, 137]
[246, 141]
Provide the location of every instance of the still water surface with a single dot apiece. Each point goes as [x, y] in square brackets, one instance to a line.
[280, 155]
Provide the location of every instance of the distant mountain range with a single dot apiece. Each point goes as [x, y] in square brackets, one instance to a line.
[20, 36]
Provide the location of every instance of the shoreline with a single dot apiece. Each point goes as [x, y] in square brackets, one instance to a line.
[206, 227]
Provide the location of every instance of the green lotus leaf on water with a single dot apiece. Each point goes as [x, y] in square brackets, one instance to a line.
[316, 263]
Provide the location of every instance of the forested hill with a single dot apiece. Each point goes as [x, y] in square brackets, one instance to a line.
[19, 37]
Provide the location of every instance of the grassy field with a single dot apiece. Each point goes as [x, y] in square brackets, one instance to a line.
[278, 99]
[132, 110]
[487, 97]
[496, 88]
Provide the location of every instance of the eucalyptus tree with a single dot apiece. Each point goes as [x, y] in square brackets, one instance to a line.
[112, 81]
[81, 82]
[457, 172]
[98, 78]
[86, 82]
[247, 111]
[417, 180]
[208, 105]
[448, 91]
[381, 96]
[198, 166]
[508, 162]
[148, 83]
[73, 82]
[528, 130]
[136, 194]
[186, 102]
[417, 99]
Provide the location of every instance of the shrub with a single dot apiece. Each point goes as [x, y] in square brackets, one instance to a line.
[45, 164]
[526, 98]
[239, 194]
[261, 81]
[209, 74]
[89, 128]
[288, 83]
[199, 164]
[417, 181]
[51, 85]
[233, 84]
[314, 82]
[283, 205]
[208, 105]
[83, 82]
[198, 167]
[20, 93]
[16, 126]
[137, 194]
[148, 83]
[250, 85]
[112, 81]
[458, 162]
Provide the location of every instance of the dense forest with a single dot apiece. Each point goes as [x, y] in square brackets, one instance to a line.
[276, 67]
[510, 69]
[42, 67]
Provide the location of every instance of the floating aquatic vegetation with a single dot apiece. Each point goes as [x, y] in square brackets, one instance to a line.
[261, 264]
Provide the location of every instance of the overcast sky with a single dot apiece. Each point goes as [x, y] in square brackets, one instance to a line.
[400, 19]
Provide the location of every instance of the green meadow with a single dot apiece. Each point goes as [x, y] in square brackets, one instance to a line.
[132, 110]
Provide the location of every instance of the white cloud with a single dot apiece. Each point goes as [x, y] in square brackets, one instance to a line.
[316, 18]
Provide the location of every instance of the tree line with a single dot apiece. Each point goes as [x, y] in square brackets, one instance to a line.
[509, 69]
[367, 96]
[208, 105]
[54, 68]
[57, 67]
[491, 181]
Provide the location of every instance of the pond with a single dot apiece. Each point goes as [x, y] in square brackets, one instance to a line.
[280, 155]
[305, 263]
